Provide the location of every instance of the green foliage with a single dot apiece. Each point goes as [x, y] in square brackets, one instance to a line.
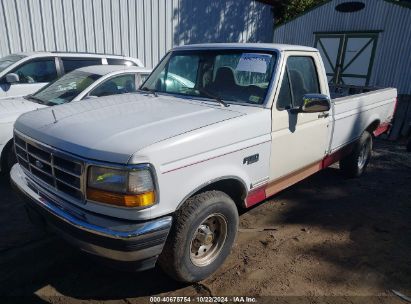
[287, 10]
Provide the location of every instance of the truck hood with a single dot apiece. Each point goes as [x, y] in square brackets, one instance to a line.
[11, 108]
[113, 128]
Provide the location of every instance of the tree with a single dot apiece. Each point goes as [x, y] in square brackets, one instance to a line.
[287, 10]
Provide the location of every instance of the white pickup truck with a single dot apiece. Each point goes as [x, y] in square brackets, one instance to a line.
[157, 176]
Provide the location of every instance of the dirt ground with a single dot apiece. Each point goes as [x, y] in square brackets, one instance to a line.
[327, 240]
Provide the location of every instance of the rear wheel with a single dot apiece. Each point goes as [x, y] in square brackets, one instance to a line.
[201, 238]
[354, 164]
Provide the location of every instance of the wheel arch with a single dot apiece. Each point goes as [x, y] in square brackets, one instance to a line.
[233, 186]
[372, 126]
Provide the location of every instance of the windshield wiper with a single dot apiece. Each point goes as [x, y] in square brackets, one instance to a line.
[217, 98]
[36, 99]
[146, 89]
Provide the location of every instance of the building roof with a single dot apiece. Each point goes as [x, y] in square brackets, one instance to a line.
[257, 46]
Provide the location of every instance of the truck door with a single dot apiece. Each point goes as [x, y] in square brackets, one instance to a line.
[299, 140]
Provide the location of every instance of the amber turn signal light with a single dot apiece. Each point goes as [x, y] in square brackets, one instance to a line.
[145, 199]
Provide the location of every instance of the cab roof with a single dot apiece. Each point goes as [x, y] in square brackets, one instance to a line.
[255, 46]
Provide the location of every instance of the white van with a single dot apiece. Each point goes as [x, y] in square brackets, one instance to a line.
[25, 73]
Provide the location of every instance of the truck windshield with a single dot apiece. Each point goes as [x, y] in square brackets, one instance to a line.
[235, 75]
[65, 89]
[7, 61]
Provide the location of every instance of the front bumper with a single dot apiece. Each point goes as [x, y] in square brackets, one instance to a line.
[123, 242]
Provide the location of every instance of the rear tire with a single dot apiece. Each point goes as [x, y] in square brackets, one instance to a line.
[201, 237]
[354, 164]
[8, 158]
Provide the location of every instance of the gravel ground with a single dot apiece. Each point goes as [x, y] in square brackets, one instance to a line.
[327, 239]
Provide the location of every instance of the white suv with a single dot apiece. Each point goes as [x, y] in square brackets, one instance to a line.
[25, 73]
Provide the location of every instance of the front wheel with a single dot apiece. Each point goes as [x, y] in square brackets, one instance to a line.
[354, 164]
[201, 238]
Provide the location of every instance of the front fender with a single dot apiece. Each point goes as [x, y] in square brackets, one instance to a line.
[177, 183]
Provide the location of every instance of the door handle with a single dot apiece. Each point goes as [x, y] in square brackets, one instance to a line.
[323, 115]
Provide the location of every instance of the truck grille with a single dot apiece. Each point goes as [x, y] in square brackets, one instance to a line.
[57, 169]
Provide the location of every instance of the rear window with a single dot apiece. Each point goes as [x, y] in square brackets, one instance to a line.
[71, 64]
[115, 61]
[7, 61]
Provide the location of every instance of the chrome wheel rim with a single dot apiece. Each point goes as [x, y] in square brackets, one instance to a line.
[208, 240]
[363, 156]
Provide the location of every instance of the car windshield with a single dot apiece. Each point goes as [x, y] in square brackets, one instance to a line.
[235, 75]
[7, 61]
[65, 89]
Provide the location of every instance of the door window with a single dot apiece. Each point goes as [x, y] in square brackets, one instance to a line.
[71, 64]
[284, 97]
[300, 78]
[116, 85]
[35, 71]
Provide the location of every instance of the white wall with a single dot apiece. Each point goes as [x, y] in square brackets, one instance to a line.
[140, 28]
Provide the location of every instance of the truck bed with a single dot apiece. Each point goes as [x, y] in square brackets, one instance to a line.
[353, 113]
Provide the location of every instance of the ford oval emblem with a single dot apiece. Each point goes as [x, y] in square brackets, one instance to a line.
[39, 164]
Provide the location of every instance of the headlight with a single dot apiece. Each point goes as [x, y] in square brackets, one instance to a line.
[127, 188]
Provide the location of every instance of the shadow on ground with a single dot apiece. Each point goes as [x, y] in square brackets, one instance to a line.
[375, 212]
[31, 258]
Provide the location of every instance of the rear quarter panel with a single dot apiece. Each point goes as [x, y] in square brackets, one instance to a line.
[353, 114]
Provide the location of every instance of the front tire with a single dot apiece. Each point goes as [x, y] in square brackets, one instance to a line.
[201, 238]
[354, 164]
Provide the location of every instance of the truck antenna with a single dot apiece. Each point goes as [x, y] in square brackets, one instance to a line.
[54, 115]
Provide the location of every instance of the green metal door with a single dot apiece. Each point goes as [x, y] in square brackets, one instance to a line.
[348, 57]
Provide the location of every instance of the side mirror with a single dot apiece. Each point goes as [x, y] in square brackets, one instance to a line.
[12, 78]
[313, 103]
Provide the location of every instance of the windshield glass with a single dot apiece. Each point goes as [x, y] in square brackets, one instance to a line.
[7, 61]
[231, 75]
[66, 88]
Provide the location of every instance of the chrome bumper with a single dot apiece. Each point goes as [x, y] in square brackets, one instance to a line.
[110, 238]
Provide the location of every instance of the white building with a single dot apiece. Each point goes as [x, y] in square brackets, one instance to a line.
[363, 43]
[145, 29]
